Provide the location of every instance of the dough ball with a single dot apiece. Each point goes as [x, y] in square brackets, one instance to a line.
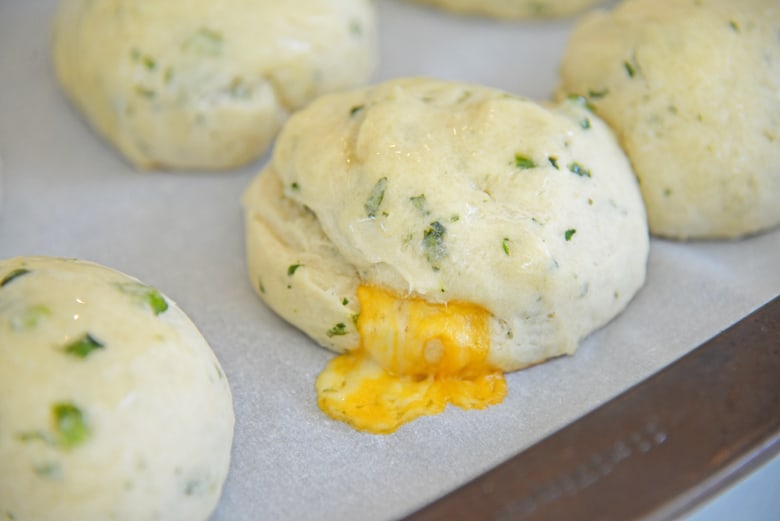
[513, 8]
[206, 84]
[112, 404]
[448, 192]
[692, 90]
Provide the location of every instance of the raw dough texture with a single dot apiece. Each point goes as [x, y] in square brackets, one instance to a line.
[112, 404]
[449, 192]
[206, 84]
[513, 8]
[692, 90]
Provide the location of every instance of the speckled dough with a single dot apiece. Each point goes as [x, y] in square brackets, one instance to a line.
[513, 8]
[692, 90]
[206, 84]
[112, 404]
[450, 192]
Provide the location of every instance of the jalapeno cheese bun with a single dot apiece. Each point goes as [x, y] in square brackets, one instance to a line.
[692, 90]
[513, 8]
[112, 404]
[206, 84]
[441, 232]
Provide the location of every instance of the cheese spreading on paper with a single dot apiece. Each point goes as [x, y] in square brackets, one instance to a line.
[415, 357]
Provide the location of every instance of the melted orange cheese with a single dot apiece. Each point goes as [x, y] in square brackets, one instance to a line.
[414, 358]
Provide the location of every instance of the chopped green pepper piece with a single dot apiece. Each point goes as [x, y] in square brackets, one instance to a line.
[582, 100]
[354, 110]
[13, 275]
[156, 301]
[420, 203]
[524, 162]
[239, 89]
[569, 233]
[505, 245]
[339, 329]
[433, 244]
[146, 60]
[554, 162]
[194, 487]
[375, 197]
[629, 69]
[292, 269]
[69, 425]
[578, 169]
[145, 295]
[82, 347]
[598, 94]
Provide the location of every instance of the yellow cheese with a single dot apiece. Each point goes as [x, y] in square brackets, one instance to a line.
[414, 358]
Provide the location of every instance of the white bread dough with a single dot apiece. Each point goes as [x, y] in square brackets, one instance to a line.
[112, 404]
[206, 84]
[513, 8]
[692, 90]
[450, 192]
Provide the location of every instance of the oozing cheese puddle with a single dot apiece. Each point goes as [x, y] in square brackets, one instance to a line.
[414, 358]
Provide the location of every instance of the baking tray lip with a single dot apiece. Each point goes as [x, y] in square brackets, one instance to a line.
[681, 429]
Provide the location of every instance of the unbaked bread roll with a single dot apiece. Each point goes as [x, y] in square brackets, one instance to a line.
[112, 404]
[692, 90]
[513, 8]
[206, 84]
[447, 193]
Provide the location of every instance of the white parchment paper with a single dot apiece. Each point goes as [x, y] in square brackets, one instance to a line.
[65, 192]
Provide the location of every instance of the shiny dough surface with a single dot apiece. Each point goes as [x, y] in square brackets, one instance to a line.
[692, 90]
[448, 192]
[206, 84]
[112, 404]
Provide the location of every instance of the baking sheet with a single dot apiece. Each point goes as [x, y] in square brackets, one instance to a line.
[67, 193]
